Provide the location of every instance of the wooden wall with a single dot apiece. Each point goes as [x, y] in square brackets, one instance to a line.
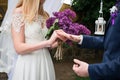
[3, 8]
[3, 4]
[65, 6]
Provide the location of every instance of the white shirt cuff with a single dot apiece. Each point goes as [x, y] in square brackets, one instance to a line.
[81, 39]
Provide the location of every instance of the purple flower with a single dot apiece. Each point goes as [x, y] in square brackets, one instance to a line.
[79, 29]
[113, 15]
[64, 22]
[114, 11]
[59, 14]
[70, 13]
[50, 22]
[84, 30]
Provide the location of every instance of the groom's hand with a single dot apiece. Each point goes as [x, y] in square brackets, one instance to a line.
[80, 68]
[67, 36]
[75, 38]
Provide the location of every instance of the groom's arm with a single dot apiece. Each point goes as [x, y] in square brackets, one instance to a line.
[91, 42]
[108, 70]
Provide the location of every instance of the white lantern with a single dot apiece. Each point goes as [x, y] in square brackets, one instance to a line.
[100, 26]
[100, 23]
[69, 2]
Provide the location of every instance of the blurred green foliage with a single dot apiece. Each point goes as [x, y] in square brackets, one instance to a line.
[88, 11]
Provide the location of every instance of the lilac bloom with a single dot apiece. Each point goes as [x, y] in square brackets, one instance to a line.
[64, 22]
[50, 22]
[70, 13]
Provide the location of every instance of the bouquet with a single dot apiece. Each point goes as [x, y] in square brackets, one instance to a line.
[64, 20]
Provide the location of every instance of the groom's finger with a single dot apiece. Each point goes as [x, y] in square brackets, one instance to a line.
[62, 33]
[62, 38]
[71, 37]
[76, 61]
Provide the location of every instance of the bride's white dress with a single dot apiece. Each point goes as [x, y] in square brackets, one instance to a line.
[36, 65]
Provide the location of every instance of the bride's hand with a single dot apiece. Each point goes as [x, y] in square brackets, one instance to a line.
[54, 45]
[66, 36]
[55, 37]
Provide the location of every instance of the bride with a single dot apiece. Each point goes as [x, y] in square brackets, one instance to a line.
[28, 30]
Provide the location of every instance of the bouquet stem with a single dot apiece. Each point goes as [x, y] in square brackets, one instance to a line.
[59, 52]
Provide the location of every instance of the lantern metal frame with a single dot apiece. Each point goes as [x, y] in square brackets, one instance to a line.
[100, 23]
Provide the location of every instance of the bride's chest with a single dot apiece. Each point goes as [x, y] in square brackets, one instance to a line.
[33, 30]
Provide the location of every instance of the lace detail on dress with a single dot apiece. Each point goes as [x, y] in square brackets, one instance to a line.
[42, 22]
[40, 19]
[17, 22]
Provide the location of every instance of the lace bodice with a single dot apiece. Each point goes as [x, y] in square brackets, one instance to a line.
[34, 32]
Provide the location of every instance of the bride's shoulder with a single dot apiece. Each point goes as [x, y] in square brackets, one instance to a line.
[17, 11]
[17, 14]
[17, 20]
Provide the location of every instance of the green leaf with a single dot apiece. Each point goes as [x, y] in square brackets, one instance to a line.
[50, 31]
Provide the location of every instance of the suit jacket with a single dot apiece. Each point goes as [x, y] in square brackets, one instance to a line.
[109, 69]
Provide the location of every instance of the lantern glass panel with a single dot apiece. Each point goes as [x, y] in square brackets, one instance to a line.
[100, 28]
